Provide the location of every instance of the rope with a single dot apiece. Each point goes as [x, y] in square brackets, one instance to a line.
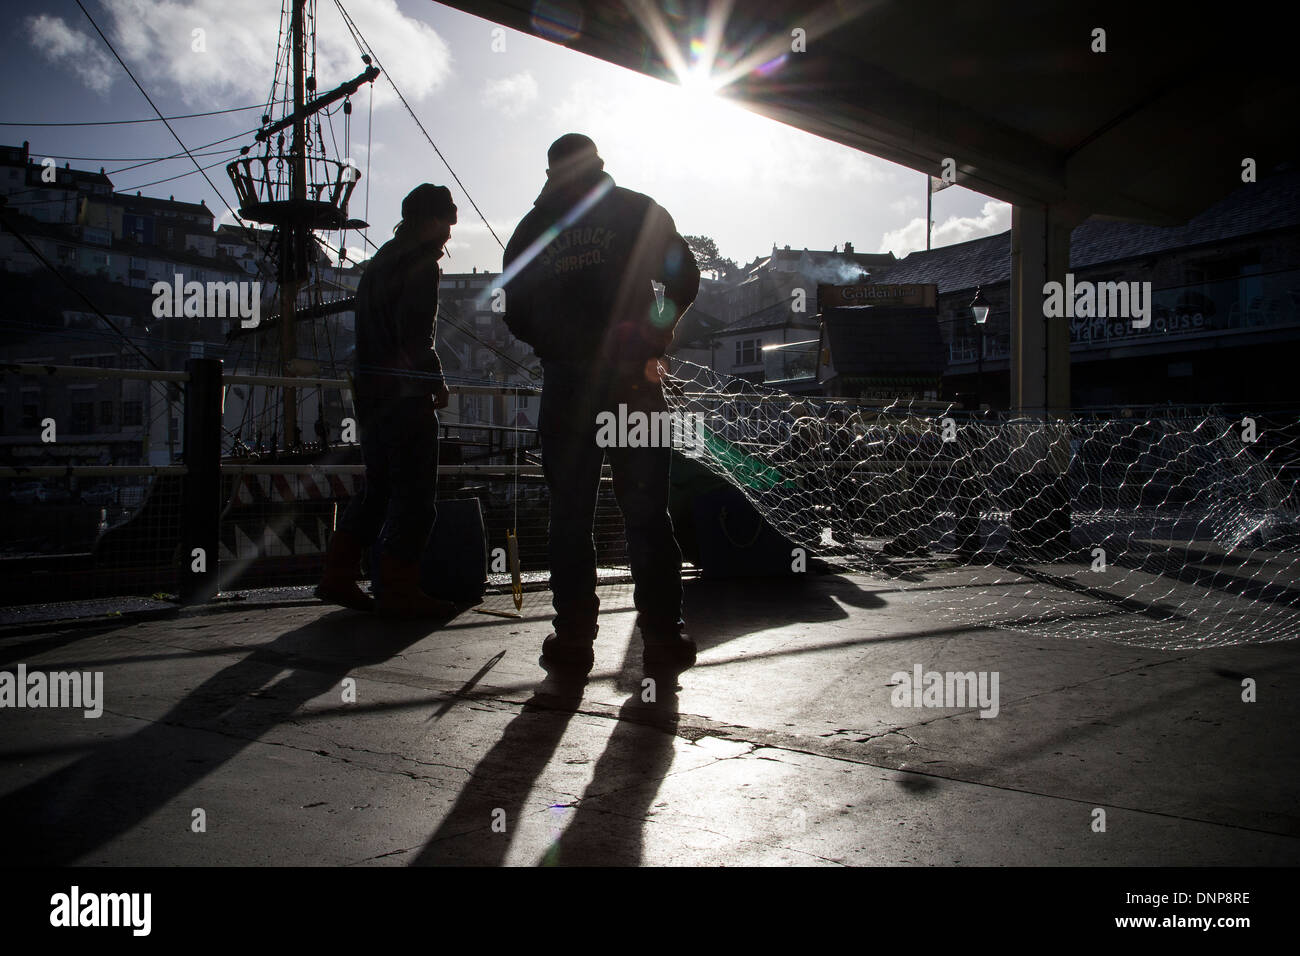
[176, 136]
[367, 48]
[151, 119]
[370, 124]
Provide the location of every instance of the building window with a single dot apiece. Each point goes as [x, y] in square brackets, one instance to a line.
[31, 415]
[132, 413]
[83, 418]
[106, 413]
[749, 351]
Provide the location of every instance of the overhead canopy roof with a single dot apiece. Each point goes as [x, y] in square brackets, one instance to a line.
[1152, 130]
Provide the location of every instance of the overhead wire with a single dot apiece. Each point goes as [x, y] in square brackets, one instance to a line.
[368, 49]
[188, 153]
[168, 179]
[250, 232]
[41, 258]
[76, 290]
[533, 372]
[132, 159]
[151, 119]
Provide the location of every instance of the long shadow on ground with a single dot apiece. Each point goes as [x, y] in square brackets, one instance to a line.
[67, 815]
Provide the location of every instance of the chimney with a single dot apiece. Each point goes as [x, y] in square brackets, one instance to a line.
[848, 248]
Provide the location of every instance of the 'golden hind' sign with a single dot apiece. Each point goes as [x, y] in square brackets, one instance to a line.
[878, 293]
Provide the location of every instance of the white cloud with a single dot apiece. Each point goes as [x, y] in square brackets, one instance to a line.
[511, 95]
[156, 39]
[902, 207]
[994, 218]
[471, 223]
[63, 45]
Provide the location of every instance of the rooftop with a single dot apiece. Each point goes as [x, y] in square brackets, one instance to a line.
[1271, 204]
[128, 200]
[775, 316]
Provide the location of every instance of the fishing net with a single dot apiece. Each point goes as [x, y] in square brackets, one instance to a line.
[1174, 530]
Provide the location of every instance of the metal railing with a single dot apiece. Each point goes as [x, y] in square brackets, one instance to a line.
[83, 528]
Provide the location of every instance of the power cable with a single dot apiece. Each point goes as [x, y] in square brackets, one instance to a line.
[367, 48]
[152, 119]
[250, 232]
[200, 169]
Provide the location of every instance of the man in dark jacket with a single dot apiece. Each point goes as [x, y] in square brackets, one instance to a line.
[398, 387]
[578, 280]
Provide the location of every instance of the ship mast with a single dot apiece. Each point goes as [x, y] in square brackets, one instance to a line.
[267, 195]
[295, 234]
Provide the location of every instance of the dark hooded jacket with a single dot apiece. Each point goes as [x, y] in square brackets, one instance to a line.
[588, 251]
[397, 310]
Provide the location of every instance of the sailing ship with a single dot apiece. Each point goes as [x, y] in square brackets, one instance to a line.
[290, 458]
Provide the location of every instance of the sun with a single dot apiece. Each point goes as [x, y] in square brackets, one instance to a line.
[695, 100]
[698, 83]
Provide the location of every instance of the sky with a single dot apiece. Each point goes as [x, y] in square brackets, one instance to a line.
[492, 100]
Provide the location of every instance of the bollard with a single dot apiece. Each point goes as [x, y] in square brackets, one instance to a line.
[201, 487]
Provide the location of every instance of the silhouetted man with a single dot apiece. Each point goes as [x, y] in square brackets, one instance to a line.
[578, 276]
[398, 387]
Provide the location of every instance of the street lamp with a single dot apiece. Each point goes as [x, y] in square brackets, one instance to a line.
[980, 309]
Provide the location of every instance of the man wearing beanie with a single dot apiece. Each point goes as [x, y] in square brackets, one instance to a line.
[398, 387]
[578, 274]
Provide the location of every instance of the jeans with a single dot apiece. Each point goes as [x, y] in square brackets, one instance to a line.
[571, 463]
[399, 445]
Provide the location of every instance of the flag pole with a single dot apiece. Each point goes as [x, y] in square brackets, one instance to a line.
[929, 198]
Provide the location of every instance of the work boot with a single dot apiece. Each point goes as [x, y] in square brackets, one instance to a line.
[338, 585]
[570, 651]
[400, 594]
[667, 648]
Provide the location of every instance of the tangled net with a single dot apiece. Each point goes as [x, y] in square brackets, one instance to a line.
[1171, 532]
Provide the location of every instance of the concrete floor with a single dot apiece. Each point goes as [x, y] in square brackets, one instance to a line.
[781, 746]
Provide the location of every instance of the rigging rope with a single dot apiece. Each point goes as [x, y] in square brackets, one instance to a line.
[368, 49]
[151, 119]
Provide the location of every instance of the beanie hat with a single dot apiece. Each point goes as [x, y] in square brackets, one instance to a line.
[427, 201]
